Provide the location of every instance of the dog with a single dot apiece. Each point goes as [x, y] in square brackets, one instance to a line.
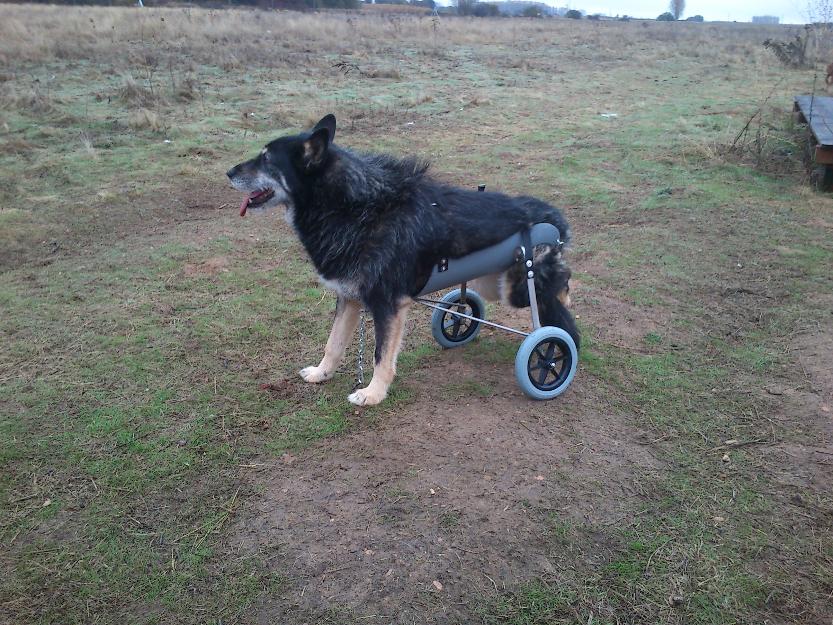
[375, 226]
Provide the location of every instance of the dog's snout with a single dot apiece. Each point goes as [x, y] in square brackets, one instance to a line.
[231, 173]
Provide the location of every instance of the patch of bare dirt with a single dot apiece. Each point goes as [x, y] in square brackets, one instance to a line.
[820, 222]
[613, 320]
[454, 498]
[616, 321]
[808, 408]
[209, 267]
[814, 351]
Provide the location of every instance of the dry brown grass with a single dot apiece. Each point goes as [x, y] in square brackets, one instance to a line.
[135, 94]
[371, 9]
[33, 98]
[236, 38]
[145, 119]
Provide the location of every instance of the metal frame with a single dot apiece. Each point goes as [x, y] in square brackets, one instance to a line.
[430, 303]
[461, 305]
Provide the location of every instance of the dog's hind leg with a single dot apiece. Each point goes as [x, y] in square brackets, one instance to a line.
[344, 325]
[389, 327]
[552, 284]
[488, 286]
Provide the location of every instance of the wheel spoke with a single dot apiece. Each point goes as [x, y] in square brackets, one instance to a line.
[456, 327]
[542, 377]
[548, 367]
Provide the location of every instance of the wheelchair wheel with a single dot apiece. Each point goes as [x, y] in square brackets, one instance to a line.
[546, 363]
[448, 329]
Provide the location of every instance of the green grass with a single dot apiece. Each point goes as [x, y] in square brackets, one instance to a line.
[468, 388]
[534, 604]
[147, 396]
[450, 520]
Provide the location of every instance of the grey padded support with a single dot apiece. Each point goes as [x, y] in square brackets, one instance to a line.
[489, 260]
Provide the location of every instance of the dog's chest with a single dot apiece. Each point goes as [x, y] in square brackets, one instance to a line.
[343, 288]
[289, 215]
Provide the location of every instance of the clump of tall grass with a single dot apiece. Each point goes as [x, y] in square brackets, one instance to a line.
[136, 95]
[187, 89]
[32, 99]
[146, 119]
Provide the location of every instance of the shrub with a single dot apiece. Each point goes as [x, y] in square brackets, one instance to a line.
[465, 7]
[790, 53]
[573, 14]
[666, 17]
[485, 9]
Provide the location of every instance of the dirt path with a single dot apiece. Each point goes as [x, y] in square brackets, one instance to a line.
[425, 512]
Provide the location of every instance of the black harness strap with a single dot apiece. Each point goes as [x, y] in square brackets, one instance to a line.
[528, 252]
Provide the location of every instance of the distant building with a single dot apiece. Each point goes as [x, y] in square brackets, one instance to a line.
[765, 19]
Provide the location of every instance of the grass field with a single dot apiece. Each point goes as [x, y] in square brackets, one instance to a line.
[160, 461]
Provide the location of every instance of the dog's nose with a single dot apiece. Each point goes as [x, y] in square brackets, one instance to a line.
[231, 173]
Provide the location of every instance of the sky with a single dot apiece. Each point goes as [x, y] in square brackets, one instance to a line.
[790, 11]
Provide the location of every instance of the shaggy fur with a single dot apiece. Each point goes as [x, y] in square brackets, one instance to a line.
[375, 226]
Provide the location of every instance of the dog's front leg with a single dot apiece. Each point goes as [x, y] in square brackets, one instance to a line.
[389, 328]
[344, 325]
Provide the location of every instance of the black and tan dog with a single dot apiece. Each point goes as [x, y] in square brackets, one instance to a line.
[375, 226]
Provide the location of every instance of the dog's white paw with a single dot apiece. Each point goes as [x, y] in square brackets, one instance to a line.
[364, 397]
[314, 375]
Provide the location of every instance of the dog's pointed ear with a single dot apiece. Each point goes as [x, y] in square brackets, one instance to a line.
[315, 149]
[328, 122]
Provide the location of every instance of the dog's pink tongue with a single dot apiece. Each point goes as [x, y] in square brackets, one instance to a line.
[245, 205]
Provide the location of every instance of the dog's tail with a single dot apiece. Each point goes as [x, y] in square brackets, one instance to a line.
[552, 290]
[538, 211]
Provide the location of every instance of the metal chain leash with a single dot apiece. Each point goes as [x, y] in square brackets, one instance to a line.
[360, 352]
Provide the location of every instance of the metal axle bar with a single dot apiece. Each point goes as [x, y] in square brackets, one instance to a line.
[430, 304]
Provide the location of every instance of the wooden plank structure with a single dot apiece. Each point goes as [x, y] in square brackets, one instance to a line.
[817, 112]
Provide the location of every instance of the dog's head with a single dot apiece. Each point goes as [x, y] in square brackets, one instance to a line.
[272, 177]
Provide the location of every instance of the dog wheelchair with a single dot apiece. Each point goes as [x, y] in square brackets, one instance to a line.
[547, 359]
